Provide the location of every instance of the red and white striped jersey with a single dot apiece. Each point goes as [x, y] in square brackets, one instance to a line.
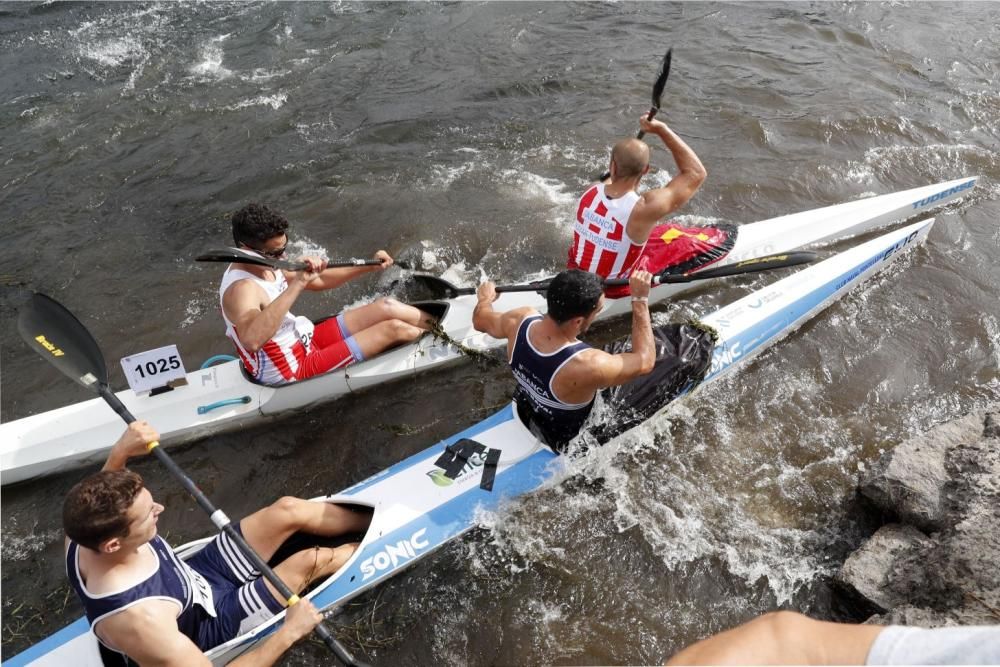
[600, 243]
[278, 360]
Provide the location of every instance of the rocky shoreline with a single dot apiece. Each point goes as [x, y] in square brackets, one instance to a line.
[935, 560]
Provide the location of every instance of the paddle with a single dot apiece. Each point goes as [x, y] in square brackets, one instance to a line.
[244, 257]
[55, 333]
[450, 291]
[661, 81]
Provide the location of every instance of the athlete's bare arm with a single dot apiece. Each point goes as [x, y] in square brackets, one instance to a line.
[783, 638]
[147, 632]
[332, 278]
[655, 204]
[489, 321]
[256, 322]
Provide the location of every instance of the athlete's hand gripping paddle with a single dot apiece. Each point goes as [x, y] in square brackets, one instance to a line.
[55, 334]
[661, 81]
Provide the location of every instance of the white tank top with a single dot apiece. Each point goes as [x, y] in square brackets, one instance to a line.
[600, 242]
[277, 361]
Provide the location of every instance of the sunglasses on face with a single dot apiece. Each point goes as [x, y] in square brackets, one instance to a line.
[277, 253]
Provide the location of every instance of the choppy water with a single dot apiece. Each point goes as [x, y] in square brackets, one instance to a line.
[458, 135]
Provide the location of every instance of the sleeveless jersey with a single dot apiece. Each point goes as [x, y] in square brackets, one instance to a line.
[600, 243]
[557, 421]
[172, 580]
[278, 359]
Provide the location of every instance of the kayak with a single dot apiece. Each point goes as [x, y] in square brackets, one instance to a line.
[436, 495]
[222, 397]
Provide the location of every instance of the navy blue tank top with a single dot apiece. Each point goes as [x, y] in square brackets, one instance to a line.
[171, 580]
[555, 421]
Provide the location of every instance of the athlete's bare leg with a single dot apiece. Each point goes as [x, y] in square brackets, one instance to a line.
[384, 335]
[308, 565]
[266, 529]
[384, 309]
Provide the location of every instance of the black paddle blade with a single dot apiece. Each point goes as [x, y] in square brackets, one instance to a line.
[750, 266]
[661, 79]
[55, 334]
[231, 255]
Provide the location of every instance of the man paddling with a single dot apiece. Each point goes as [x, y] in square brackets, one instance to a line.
[145, 603]
[616, 228]
[557, 375]
[277, 347]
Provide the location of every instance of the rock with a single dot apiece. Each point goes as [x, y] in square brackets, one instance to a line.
[868, 572]
[947, 483]
[910, 615]
[908, 481]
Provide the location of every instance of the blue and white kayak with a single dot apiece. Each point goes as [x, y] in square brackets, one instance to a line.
[222, 398]
[420, 504]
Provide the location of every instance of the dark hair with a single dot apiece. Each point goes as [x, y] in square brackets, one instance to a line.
[256, 223]
[96, 509]
[573, 293]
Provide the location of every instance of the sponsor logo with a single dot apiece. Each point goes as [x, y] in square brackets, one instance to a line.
[474, 462]
[758, 260]
[944, 193]
[673, 234]
[56, 352]
[725, 355]
[394, 554]
[881, 257]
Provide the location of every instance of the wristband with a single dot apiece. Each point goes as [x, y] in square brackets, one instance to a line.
[641, 299]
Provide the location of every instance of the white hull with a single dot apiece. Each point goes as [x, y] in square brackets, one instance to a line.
[416, 511]
[82, 433]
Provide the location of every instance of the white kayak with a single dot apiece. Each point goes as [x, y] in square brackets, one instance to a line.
[221, 397]
[418, 506]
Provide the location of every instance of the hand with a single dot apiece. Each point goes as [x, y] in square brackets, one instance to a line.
[651, 126]
[301, 618]
[135, 439]
[384, 257]
[639, 283]
[487, 292]
[316, 265]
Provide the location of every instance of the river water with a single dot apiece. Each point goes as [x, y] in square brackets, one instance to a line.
[458, 136]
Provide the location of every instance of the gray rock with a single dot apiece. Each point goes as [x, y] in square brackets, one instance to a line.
[909, 481]
[910, 615]
[947, 482]
[869, 571]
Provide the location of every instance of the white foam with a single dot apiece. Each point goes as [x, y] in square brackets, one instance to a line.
[210, 66]
[275, 101]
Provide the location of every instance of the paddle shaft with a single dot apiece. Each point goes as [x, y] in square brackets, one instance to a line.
[223, 523]
[756, 265]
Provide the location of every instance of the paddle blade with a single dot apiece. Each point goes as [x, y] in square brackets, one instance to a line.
[231, 255]
[661, 79]
[754, 265]
[57, 336]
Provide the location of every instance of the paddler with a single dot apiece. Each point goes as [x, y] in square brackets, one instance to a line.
[617, 230]
[145, 603]
[275, 346]
[557, 375]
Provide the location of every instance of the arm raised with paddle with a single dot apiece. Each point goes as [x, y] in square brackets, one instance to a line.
[110, 521]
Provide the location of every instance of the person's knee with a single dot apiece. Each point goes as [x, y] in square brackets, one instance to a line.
[399, 331]
[388, 307]
[288, 512]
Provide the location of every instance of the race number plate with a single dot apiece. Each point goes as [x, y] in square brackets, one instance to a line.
[153, 369]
